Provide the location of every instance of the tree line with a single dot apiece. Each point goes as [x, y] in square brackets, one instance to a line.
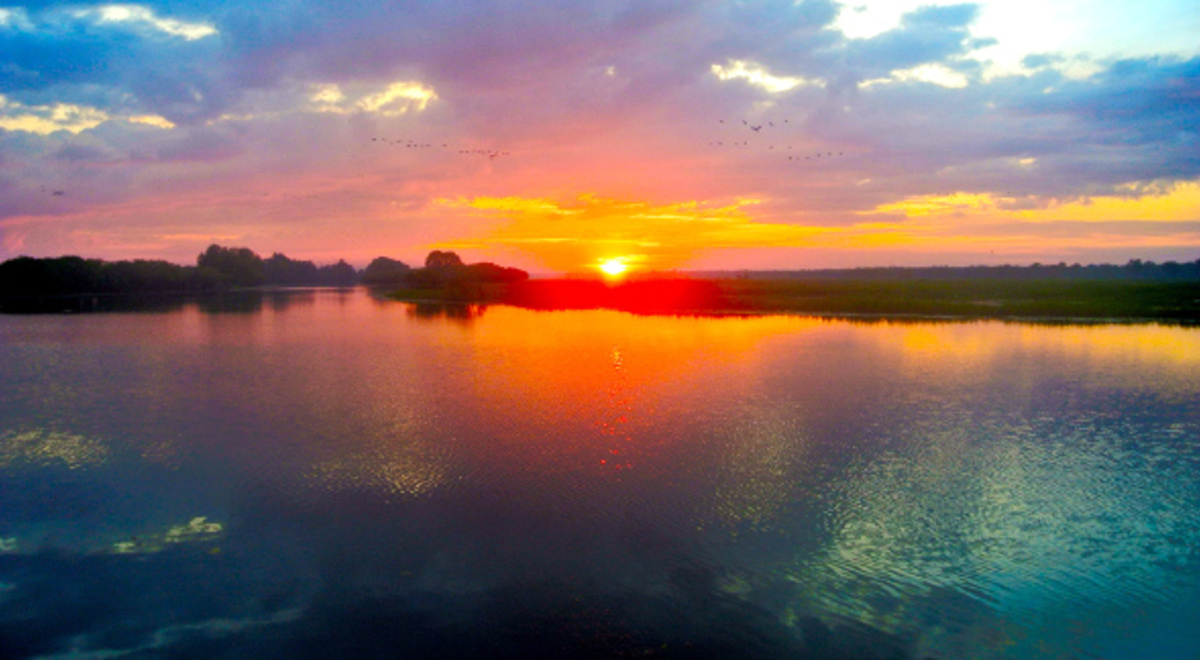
[1133, 270]
[219, 268]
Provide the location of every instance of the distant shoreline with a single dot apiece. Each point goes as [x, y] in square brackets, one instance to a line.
[1097, 301]
[870, 301]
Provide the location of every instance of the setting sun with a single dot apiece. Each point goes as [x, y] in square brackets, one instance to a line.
[613, 267]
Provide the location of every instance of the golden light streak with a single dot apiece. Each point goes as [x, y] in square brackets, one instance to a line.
[580, 233]
[1180, 202]
[1177, 203]
[924, 205]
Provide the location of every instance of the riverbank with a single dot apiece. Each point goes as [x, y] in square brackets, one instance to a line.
[983, 299]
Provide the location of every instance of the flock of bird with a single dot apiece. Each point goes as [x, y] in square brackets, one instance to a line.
[413, 144]
[770, 126]
[762, 128]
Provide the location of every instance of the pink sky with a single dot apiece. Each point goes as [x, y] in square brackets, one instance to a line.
[555, 136]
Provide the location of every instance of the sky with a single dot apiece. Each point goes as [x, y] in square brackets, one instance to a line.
[555, 135]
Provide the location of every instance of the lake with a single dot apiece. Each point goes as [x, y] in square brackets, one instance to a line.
[322, 473]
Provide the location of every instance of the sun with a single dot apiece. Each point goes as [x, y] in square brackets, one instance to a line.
[613, 267]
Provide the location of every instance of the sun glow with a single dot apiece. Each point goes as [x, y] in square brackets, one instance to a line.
[568, 235]
[613, 267]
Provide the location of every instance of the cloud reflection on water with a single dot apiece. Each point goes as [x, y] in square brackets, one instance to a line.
[957, 489]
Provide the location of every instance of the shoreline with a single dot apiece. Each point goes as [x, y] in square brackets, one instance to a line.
[836, 316]
[1045, 302]
[1100, 303]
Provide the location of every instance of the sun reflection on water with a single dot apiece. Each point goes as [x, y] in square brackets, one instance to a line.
[977, 488]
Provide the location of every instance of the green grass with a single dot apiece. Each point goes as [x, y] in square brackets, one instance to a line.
[971, 298]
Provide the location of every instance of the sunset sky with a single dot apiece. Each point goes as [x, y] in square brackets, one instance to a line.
[557, 135]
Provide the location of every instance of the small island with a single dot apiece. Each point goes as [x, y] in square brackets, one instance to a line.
[445, 279]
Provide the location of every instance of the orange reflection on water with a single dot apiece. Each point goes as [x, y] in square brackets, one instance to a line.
[613, 370]
[975, 341]
[950, 351]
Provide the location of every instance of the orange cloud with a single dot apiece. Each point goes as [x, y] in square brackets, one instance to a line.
[586, 231]
[1180, 202]
[582, 233]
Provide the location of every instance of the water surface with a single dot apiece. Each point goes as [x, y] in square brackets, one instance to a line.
[324, 474]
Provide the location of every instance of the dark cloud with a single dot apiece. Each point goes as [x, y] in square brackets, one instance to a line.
[1135, 120]
[1136, 101]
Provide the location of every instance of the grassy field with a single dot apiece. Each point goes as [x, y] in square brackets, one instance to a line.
[971, 298]
[1034, 299]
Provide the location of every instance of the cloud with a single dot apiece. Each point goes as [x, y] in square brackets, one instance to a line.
[398, 98]
[928, 35]
[15, 18]
[141, 17]
[935, 74]
[1140, 100]
[395, 100]
[44, 120]
[132, 105]
[57, 21]
[756, 75]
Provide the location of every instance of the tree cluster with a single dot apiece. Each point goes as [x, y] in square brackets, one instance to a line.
[242, 267]
[278, 270]
[383, 271]
[445, 270]
[216, 268]
[27, 276]
[220, 267]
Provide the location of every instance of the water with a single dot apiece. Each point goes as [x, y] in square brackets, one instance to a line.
[323, 474]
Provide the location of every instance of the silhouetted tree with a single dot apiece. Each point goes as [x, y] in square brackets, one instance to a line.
[445, 270]
[26, 276]
[439, 259]
[491, 273]
[339, 274]
[280, 270]
[426, 278]
[240, 266]
[383, 270]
